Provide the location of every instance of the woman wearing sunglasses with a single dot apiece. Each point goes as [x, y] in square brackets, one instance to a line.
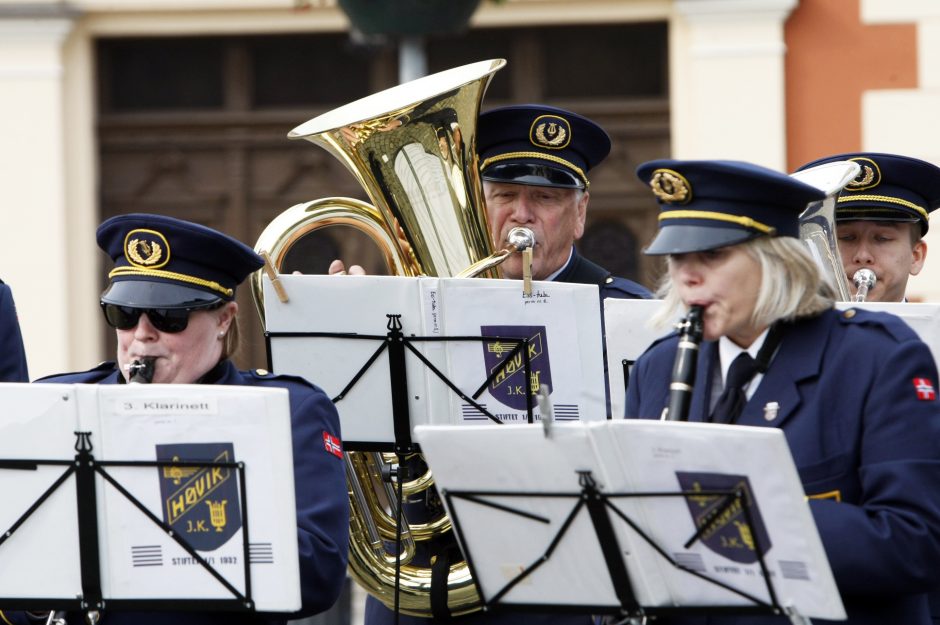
[171, 301]
[853, 391]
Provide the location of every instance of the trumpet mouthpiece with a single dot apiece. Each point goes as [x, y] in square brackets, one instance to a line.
[864, 277]
[521, 238]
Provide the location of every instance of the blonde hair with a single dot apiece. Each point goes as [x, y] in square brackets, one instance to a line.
[791, 285]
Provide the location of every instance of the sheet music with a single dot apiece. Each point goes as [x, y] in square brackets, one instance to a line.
[627, 456]
[629, 333]
[565, 356]
[31, 427]
[667, 456]
[202, 504]
[150, 422]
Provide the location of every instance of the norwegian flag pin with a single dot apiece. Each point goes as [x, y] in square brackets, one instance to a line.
[924, 389]
[331, 444]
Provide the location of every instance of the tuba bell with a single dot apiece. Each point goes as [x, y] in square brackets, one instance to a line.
[413, 150]
[817, 222]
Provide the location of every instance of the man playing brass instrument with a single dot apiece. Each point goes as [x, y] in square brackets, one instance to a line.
[534, 163]
[881, 217]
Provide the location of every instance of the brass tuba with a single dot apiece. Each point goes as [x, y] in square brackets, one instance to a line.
[413, 149]
[818, 223]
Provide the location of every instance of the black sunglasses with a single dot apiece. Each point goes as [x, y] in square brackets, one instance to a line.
[170, 320]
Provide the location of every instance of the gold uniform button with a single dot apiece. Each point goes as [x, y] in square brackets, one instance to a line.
[262, 372]
[849, 313]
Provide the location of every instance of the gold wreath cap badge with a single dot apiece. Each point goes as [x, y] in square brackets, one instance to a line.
[869, 175]
[550, 132]
[146, 249]
[671, 187]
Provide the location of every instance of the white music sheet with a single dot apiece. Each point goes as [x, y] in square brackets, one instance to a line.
[564, 355]
[627, 456]
[629, 332]
[37, 422]
[153, 422]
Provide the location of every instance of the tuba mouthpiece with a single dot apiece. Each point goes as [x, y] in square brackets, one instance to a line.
[864, 280]
[521, 238]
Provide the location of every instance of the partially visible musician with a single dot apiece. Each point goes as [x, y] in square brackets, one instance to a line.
[882, 217]
[12, 354]
[171, 302]
[854, 391]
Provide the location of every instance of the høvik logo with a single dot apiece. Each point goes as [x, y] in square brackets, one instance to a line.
[200, 503]
[726, 531]
[509, 384]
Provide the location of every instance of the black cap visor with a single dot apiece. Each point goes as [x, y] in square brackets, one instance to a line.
[877, 216]
[894, 216]
[678, 239]
[149, 294]
[535, 174]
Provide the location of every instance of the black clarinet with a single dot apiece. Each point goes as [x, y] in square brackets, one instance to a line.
[141, 371]
[683, 371]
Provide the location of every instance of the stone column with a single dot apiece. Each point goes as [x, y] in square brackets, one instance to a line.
[38, 251]
[727, 79]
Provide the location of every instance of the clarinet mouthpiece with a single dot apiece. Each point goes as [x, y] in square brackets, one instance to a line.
[141, 371]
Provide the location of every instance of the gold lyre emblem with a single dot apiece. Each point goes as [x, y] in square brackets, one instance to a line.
[146, 249]
[670, 187]
[217, 514]
[869, 175]
[177, 474]
[551, 132]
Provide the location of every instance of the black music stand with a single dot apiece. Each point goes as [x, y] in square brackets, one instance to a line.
[603, 512]
[85, 585]
[562, 539]
[84, 468]
[397, 344]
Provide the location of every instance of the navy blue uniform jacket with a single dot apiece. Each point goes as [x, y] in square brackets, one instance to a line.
[12, 354]
[866, 442]
[320, 488]
[579, 270]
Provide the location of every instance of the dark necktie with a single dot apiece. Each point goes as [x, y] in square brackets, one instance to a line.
[732, 399]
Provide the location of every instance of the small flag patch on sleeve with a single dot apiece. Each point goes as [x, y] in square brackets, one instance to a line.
[924, 389]
[331, 444]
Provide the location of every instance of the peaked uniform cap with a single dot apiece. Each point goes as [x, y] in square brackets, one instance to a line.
[889, 187]
[539, 145]
[705, 205]
[163, 262]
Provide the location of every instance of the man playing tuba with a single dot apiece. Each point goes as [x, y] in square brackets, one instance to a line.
[534, 162]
